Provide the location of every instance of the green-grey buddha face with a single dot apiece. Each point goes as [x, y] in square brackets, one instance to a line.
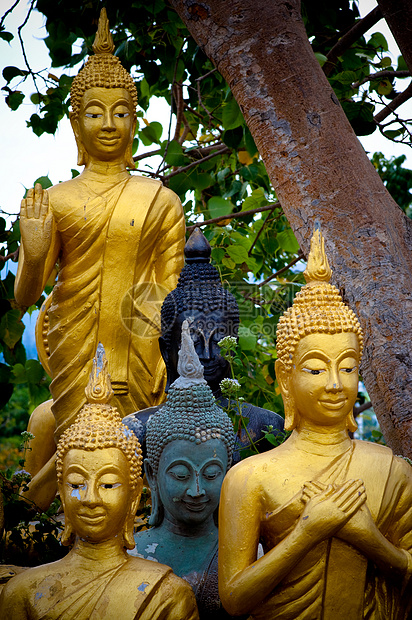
[189, 479]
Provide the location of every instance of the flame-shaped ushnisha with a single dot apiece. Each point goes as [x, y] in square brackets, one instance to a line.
[317, 308]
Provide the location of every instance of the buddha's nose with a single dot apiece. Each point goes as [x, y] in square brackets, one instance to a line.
[195, 489]
[334, 383]
[91, 496]
[108, 122]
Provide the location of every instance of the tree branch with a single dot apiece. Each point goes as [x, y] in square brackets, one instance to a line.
[266, 221]
[395, 103]
[148, 154]
[222, 151]
[13, 256]
[8, 11]
[350, 37]
[285, 268]
[190, 229]
[361, 408]
[381, 75]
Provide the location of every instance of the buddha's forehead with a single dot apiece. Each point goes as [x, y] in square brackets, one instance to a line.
[207, 321]
[106, 96]
[94, 461]
[192, 454]
[332, 346]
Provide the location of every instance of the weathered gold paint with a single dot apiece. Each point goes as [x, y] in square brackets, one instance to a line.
[118, 240]
[99, 473]
[334, 515]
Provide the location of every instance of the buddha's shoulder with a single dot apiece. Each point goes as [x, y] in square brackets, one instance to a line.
[25, 583]
[367, 447]
[152, 571]
[137, 181]
[256, 467]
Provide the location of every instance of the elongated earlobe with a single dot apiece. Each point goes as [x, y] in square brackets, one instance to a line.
[156, 516]
[128, 528]
[291, 414]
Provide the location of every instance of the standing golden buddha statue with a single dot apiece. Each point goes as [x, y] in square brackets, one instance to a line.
[118, 240]
[334, 515]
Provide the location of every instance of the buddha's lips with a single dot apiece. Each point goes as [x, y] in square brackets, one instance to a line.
[195, 506]
[108, 140]
[92, 518]
[334, 404]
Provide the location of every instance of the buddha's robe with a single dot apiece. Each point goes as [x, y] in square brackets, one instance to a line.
[203, 580]
[120, 252]
[334, 581]
[135, 590]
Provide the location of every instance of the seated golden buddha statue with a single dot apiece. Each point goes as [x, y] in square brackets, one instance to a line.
[334, 515]
[99, 476]
[118, 241]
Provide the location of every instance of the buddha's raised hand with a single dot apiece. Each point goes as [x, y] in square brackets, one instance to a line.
[327, 511]
[36, 224]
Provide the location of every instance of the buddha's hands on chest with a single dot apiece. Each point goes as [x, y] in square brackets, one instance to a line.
[329, 508]
[36, 222]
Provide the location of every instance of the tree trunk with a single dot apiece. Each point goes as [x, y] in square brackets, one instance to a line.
[321, 173]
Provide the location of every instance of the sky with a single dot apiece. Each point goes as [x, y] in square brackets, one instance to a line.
[25, 157]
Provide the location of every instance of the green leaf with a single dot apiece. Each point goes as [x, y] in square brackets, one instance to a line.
[11, 328]
[219, 206]
[228, 262]
[385, 62]
[174, 155]
[378, 41]
[18, 374]
[402, 66]
[360, 116]
[44, 182]
[247, 340]
[6, 36]
[34, 371]
[287, 241]
[321, 58]
[384, 87]
[249, 142]
[255, 200]
[14, 99]
[232, 116]
[238, 254]
[233, 137]
[11, 72]
[5, 373]
[393, 133]
[151, 133]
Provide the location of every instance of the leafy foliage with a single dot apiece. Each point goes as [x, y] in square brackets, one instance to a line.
[210, 160]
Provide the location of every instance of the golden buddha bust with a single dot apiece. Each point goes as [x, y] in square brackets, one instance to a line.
[118, 240]
[99, 476]
[334, 515]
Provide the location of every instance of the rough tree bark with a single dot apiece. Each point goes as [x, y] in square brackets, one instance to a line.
[321, 173]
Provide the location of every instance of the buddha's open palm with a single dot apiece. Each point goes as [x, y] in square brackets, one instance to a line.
[328, 509]
[36, 224]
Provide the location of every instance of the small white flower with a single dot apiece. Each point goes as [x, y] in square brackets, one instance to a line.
[230, 386]
[227, 342]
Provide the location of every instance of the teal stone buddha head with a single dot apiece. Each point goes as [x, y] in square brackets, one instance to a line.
[189, 446]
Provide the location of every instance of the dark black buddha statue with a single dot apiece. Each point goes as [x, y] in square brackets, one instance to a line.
[214, 314]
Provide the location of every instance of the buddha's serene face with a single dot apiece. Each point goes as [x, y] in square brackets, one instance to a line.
[189, 479]
[206, 331]
[96, 492]
[324, 377]
[105, 124]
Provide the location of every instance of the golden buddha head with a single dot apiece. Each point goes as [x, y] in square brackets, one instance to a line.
[98, 464]
[106, 78]
[319, 346]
